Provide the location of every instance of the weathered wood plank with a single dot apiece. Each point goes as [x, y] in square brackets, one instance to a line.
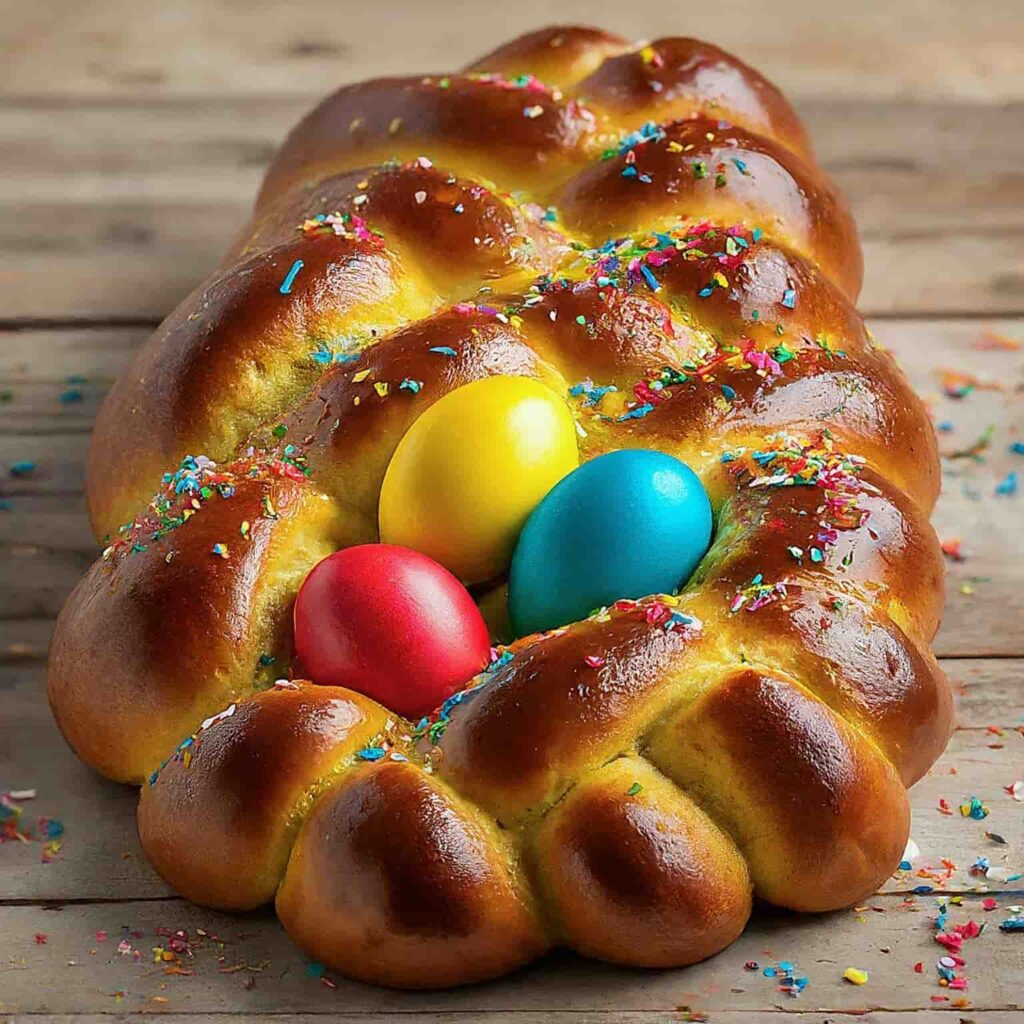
[148, 196]
[556, 1016]
[139, 47]
[24, 640]
[886, 944]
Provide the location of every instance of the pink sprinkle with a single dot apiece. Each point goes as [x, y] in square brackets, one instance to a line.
[989, 903]
[594, 660]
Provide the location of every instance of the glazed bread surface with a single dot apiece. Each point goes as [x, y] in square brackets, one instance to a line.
[645, 230]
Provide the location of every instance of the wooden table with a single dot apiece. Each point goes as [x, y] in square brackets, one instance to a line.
[132, 138]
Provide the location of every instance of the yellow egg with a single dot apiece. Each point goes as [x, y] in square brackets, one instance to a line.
[471, 469]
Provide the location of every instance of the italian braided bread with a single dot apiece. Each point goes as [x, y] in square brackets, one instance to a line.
[646, 231]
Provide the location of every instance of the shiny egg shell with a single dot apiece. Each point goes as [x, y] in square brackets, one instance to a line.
[390, 623]
[624, 525]
[469, 471]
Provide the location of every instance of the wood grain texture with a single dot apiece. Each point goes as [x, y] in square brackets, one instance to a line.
[556, 1016]
[821, 947]
[142, 47]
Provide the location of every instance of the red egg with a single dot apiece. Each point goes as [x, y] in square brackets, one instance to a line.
[391, 623]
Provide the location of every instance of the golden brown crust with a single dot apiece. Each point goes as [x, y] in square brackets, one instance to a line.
[676, 78]
[405, 885]
[221, 829]
[623, 785]
[637, 874]
[808, 822]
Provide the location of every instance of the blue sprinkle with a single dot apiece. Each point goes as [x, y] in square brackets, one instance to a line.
[629, 171]
[72, 395]
[1017, 447]
[371, 753]
[727, 457]
[905, 865]
[411, 385]
[730, 393]
[652, 281]
[705, 292]
[24, 468]
[740, 165]
[1012, 924]
[286, 284]
[636, 414]
[756, 234]
[920, 889]
[789, 298]
[945, 426]
[1008, 485]
[443, 350]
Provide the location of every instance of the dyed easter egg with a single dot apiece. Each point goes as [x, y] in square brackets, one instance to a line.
[471, 469]
[624, 525]
[390, 623]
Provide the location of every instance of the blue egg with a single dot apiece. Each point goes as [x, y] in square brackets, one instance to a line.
[624, 525]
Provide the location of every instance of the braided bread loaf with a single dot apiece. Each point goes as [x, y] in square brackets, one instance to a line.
[646, 231]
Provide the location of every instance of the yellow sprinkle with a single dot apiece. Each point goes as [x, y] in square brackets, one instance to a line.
[647, 54]
[381, 388]
[358, 378]
[855, 976]
[396, 123]
[244, 528]
[720, 279]
[356, 400]
[674, 147]
[356, 122]
[710, 136]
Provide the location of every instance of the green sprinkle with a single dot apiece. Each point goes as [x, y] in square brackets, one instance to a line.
[280, 430]
[634, 789]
